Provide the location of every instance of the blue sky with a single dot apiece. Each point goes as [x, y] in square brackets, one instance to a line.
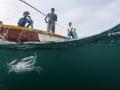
[89, 17]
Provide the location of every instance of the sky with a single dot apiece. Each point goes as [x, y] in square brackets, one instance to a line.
[89, 17]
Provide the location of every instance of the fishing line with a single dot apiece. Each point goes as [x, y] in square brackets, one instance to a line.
[40, 12]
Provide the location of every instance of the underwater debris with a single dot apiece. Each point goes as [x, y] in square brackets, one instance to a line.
[26, 64]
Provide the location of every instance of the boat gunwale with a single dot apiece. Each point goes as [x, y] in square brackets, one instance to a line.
[10, 27]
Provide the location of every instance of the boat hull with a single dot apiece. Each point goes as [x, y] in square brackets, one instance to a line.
[21, 34]
[18, 35]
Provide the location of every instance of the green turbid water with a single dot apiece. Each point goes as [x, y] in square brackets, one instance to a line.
[91, 63]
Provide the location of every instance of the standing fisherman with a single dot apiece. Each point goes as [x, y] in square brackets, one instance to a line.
[52, 17]
[26, 21]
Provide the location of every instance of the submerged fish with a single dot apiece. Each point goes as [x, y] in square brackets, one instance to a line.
[26, 64]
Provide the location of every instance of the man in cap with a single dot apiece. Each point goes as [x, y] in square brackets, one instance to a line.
[26, 21]
[50, 19]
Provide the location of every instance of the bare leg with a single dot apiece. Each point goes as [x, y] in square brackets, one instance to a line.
[53, 27]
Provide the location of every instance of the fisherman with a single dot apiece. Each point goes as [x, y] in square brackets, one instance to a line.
[50, 19]
[74, 34]
[26, 21]
[70, 29]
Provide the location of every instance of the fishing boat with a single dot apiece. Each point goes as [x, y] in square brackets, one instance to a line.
[86, 63]
[21, 34]
[32, 59]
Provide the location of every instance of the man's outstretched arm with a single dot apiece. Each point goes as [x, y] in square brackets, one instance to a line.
[46, 19]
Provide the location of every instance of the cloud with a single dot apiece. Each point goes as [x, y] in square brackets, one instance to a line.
[88, 16]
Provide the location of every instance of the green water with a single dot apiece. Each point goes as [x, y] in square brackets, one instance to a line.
[75, 68]
[91, 63]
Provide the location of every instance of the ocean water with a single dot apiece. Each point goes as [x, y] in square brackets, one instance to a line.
[91, 63]
[75, 68]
